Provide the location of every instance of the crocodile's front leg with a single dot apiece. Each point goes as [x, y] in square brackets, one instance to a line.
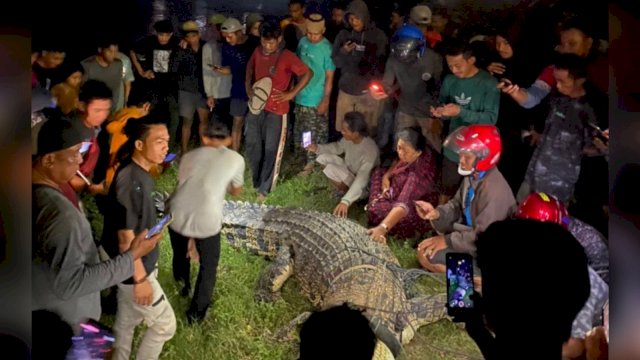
[275, 275]
[423, 310]
[284, 334]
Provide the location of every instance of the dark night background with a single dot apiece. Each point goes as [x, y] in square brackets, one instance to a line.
[78, 24]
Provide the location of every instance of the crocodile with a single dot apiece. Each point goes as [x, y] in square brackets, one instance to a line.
[334, 262]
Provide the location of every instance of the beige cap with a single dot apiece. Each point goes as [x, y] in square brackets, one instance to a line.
[231, 25]
[420, 15]
[315, 24]
[190, 25]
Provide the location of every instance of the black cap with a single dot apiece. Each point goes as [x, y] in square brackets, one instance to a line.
[59, 133]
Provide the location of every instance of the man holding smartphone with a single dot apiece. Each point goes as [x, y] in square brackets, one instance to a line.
[312, 103]
[526, 311]
[67, 273]
[131, 209]
[359, 52]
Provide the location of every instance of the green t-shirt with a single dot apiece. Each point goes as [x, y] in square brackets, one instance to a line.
[318, 58]
[479, 100]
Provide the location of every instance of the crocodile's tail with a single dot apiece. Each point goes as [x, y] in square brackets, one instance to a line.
[244, 227]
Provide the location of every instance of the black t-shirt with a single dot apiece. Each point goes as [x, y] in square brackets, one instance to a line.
[47, 78]
[130, 207]
[154, 56]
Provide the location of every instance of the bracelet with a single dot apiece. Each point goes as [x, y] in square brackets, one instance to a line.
[384, 226]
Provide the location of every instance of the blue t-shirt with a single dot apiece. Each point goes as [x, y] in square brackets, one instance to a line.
[237, 57]
[318, 58]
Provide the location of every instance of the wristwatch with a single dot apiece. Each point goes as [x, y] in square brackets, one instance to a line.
[384, 226]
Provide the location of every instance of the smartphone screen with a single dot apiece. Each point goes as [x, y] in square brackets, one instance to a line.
[165, 221]
[306, 139]
[170, 157]
[95, 341]
[459, 267]
[85, 147]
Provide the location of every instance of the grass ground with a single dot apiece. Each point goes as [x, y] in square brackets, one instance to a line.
[239, 328]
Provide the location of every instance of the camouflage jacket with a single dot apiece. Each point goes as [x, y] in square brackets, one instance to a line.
[555, 165]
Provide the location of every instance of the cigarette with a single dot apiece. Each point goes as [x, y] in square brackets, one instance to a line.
[83, 178]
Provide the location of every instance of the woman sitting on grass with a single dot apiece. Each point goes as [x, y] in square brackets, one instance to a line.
[393, 192]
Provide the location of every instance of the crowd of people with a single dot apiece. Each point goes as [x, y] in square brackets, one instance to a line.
[454, 135]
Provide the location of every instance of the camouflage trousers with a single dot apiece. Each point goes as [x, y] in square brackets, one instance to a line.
[308, 119]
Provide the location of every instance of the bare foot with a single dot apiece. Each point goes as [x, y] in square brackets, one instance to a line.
[307, 170]
[261, 198]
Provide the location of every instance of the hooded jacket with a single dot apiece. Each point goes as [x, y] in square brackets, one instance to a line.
[366, 62]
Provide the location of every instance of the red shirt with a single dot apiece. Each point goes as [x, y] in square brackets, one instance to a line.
[287, 64]
[547, 76]
[90, 159]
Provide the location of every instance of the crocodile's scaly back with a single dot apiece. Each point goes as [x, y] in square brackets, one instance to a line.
[243, 226]
[334, 261]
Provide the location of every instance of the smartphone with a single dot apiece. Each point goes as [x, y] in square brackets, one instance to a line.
[459, 270]
[598, 132]
[306, 139]
[170, 157]
[95, 341]
[84, 147]
[163, 223]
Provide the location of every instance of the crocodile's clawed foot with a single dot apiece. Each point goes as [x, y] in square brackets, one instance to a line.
[285, 334]
[287, 331]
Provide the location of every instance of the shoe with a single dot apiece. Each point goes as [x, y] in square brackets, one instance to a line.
[185, 291]
[195, 317]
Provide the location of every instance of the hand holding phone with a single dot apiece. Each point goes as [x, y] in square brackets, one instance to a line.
[599, 133]
[349, 46]
[459, 272]
[160, 226]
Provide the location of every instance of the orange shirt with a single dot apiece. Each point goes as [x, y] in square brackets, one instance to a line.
[118, 138]
[66, 97]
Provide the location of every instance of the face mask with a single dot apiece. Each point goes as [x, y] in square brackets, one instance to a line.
[463, 172]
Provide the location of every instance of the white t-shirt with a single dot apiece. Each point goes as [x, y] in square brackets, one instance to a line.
[204, 177]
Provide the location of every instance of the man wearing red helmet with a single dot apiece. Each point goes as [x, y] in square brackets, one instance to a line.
[483, 197]
[542, 207]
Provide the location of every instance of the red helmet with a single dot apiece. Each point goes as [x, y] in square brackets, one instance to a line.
[482, 140]
[542, 207]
